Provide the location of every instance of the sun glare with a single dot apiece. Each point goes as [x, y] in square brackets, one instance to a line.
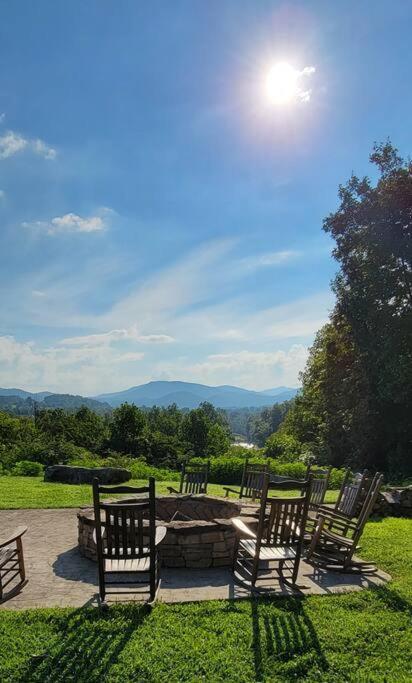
[283, 84]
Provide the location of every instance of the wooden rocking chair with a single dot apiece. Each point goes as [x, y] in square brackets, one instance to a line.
[126, 536]
[193, 479]
[279, 536]
[252, 481]
[336, 537]
[12, 563]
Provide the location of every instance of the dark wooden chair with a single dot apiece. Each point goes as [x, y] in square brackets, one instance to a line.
[193, 479]
[320, 483]
[279, 536]
[127, 537]
[336, 536]
[252, 481]
[353, 490]
[12, 563]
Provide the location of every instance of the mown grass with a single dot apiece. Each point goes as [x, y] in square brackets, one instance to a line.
[33, 492]
[358, 637]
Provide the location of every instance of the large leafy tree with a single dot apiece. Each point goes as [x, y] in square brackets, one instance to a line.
[356, 403]
[373, 233]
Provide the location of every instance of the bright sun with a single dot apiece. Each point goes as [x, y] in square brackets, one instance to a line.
[282, 83]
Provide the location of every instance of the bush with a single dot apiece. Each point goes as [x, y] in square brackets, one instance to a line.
[26, 468]
[226, 470]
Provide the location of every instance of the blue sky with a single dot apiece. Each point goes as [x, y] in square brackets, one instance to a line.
[161, 217]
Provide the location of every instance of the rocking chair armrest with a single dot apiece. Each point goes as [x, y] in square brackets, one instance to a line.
[160, 534]
[337, 538]
[229, 489]
[332, 515]
[242, 528]
[14, 536]
[172, 490]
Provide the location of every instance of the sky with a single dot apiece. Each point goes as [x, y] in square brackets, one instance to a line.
[161, 207]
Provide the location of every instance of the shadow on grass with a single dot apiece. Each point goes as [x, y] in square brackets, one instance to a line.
[87, 643]
[392, 599]
[283, 636]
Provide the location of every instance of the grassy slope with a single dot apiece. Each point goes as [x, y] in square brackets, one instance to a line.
[33, 492]
[357, 637]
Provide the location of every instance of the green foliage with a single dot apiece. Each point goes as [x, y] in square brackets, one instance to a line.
[282, 446]
[205, 431]
[27, 468]
[229, 469]
[356, 402]
[128, 427]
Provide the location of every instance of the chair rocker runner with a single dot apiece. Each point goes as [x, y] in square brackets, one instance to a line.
[279, 536]
[12, 563]
[127, 537]
[193, 479]
[336, 537]
[252, 481]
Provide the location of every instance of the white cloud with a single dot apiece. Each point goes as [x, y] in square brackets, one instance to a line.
[250, 369]
[87, 370]
[271, 258]
[2, 194]
[71, 222]
[12, 143]
[106, 338]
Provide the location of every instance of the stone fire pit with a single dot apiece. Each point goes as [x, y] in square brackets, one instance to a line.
[199, 531]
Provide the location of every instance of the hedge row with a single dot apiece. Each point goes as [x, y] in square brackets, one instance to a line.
[225, 470]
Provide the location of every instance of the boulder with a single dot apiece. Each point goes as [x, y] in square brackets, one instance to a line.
[395, 502]
[66, 474]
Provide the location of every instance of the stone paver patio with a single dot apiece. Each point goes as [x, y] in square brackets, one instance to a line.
[58, 576]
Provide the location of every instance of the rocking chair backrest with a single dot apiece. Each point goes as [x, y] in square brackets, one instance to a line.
[350, 494]
[368, 503]
[282, 520]
[252, 480]
[320, 483]
[125, 530]
[194, 478]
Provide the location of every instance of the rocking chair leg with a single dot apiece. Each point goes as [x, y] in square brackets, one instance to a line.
[153, 581]
[20, 556]
[235, 553]
[255, 569]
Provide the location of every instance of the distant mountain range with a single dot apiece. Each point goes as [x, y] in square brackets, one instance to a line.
[21, 402]
[190, 395]
[184, 394]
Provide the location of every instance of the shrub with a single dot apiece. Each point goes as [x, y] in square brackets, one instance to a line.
[226, 470]
[27, 468]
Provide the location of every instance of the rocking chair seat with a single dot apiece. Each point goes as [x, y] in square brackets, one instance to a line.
[336, 538]
[138, 564]
[268, 552]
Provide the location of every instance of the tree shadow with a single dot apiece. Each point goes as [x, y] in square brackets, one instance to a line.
[87, 643]
[283, 636]
[392, 599]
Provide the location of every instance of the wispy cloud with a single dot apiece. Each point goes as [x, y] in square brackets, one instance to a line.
[106, 338]
[271, 259]
[12, 143]
[86, 370]
[71, 222]
[250, 369]
[2, 194]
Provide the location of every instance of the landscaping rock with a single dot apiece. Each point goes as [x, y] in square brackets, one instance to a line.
[66, 474]
[395, 502]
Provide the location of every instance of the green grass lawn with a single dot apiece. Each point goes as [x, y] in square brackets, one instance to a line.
[33, 492]
[359, 637]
